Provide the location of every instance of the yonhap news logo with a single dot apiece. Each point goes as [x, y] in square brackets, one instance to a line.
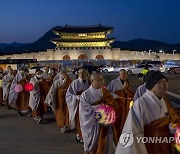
[126, 139]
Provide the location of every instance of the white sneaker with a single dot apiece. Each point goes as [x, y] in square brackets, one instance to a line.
[36, 118]
[40, 120]
[78, 139]
[63, 130]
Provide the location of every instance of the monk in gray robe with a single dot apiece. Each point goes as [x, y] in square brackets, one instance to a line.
[19, 100]
[72, 98]
[36, 99]
[51, 97]
[98, 139]
[56, 100]
[6, 84]
[121, 90]
[149, 116]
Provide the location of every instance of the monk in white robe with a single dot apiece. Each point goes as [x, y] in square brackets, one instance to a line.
[19, 100]
[98, 139]
[6, 84]
[51, 97]
[120, 89]
[36, 101]
[72, 98]
[149, 116]
[56, 100]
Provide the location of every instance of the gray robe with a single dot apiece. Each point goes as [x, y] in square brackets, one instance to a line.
[13, 95]
[140, 91]
[91, 129]
[114, 86]
[46, 76]
[72, 98]
[51, 96]
[56, 77]
[34, 98]
[6, 85]
[144, 110]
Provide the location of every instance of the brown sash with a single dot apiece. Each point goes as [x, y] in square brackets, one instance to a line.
[23, 97]
[126, 97]
[159, 128]
[41, 106]
[62, 114]
[44, 86]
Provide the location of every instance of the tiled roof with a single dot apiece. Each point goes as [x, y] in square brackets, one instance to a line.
[81, 29]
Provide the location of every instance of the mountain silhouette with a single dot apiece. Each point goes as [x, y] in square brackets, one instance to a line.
[146, 45]
[41, 44]
[44, 43]
[15, 44]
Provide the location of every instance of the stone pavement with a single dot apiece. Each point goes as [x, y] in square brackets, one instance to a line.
[23, 135]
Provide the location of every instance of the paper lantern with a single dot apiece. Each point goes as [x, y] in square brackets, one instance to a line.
[177, 139]
[28, 86]
[0, 83]
[18, 88]
[104, 87]
[105, 114]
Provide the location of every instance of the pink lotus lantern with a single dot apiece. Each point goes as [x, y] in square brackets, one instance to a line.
[105, 115]
[177, 139]
[18, 88]
[104, 87]
[28, 86]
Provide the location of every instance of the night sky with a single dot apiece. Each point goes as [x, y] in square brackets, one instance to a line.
[25, 21]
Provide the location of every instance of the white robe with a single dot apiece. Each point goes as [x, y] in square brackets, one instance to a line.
[144, 110]
[72, 98]
[34, 98]
[139, 92]
[13, 95]
[57, 77]
[46, 76]
[91, 129]
[6, 85]
[114, 86]
[51, 96]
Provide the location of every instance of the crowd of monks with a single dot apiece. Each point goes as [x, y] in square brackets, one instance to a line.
[144, 113]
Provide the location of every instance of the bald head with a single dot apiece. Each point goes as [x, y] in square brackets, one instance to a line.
[97, 80]
[123, 74]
